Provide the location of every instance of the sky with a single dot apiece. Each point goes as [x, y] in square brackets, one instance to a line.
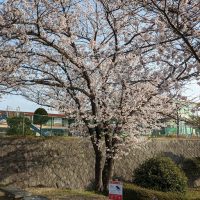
[12, 102]
[192, 91]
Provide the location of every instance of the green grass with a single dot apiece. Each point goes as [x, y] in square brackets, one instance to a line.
[193, 194]
[54, 193]
[133, 192]
[40, 138]
[174, 137]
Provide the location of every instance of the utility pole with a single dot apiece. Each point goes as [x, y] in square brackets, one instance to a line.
[23, 126]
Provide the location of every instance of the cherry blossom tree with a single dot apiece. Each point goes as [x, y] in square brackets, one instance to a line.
[113, 65]
[8, 83]
[181, 20]
[178, 22]
[8, 61]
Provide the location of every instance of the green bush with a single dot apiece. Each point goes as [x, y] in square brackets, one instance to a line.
[133, 192]
[40, 117]
[160, 173]
[191, 167]
[18, 126]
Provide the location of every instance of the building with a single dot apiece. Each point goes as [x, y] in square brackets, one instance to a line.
[57, 124]
[179, 122]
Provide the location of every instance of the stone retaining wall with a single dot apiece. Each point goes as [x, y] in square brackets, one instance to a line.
[69, 163]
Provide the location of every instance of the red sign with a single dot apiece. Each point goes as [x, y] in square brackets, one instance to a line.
[115, 190]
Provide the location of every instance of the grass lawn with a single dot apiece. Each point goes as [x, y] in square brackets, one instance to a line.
[64, 194]
[193, 194]
[133, 192]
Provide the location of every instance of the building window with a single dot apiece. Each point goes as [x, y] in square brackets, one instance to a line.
[57, 121]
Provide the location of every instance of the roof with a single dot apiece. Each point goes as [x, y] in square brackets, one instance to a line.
[32, 113]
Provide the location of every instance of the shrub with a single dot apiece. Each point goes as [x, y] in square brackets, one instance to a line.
[40, 117]
[133, 192]
[191, 167]
[160, 173]
[19, 125]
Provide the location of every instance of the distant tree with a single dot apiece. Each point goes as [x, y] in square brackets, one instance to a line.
[196, 121]
[40, 117]
[194, 118]
[178, 114]
[18, 126]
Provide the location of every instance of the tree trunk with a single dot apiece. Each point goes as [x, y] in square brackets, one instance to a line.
[98, 159]
[177, 123]
[108, 172]
[98, 171]
[103, 170]
[109, 161]
[177, 127]
[40, 129]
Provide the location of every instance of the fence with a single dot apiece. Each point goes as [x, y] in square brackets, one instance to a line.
[59, 125]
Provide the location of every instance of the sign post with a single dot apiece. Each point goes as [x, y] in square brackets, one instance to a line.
[115, 190]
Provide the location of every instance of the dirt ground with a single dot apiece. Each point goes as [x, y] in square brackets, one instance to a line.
[2, 197]
[61, 194]
[58, 194]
